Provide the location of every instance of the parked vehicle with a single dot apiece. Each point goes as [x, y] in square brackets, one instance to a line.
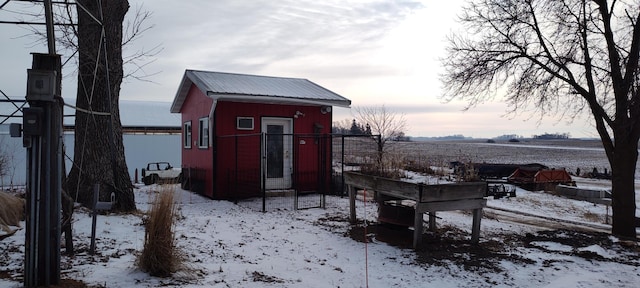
[161, 172]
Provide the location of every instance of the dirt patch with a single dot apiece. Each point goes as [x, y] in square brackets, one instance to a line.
[66, 283]
[444, 247]
[577, 243]
[261, 277]
[451, 246]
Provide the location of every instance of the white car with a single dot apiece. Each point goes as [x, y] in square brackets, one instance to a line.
[157, 172]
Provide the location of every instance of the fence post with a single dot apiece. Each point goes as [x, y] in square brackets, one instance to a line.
[342, 164]
[94, 213]
[263, 175]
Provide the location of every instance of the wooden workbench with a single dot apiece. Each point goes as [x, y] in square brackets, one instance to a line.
[428, 198]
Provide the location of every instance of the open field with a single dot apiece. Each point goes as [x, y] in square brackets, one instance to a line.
[568, 154]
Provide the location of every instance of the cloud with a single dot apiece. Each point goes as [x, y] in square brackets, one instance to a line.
[249, 36]
[373, 52]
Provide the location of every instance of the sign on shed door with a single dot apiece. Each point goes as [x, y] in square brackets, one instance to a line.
[277, 152]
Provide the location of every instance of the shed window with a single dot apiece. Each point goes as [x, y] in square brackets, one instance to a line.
[186, 135]
[244, 123]
[203, 132]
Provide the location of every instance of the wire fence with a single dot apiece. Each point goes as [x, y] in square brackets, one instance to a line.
[316, 165]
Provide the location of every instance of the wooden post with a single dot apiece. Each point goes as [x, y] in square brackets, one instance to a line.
[432, 221]
[417, 229]
[475, 230]
[352, 204]
[94, 215]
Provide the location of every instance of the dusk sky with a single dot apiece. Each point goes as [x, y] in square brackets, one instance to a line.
[371, 52]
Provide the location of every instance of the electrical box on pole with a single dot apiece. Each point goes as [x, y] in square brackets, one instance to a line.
[32, 121]
[42, 136]
[41, 85]
[42, 127]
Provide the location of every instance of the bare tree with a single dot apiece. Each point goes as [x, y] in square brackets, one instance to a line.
[560, 58]
[341, 127]
[79, 32]
[99, 150]
[383, 123]
[4, 163]
[66, 30]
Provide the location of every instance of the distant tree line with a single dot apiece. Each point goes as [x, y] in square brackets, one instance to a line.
[508, 137]
[355, 128]
[552, 136]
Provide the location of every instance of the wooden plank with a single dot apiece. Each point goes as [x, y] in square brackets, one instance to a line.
[417, 230]
[432, 221]
[411, 191]
[455, 191]
[394, 188]
[359, 180]
[465, 204]
[475, 228]
[399, 189]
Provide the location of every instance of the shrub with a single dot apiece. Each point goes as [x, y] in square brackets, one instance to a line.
[160, 257]
[11, 211]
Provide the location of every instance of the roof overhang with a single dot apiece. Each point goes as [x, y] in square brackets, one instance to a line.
[188, 80]
[181, 95]
[276, 100]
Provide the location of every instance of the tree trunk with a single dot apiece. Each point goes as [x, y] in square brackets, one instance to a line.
[623, 168]
[67, 225]
[99, 151]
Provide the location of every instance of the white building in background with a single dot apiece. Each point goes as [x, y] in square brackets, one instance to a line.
[151, 134]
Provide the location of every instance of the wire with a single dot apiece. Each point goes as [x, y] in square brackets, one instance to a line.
[87, 111]
[366, 240]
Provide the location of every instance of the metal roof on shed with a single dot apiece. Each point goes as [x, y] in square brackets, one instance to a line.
[254, 88]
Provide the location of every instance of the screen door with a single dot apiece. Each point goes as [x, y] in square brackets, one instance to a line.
[277, 152]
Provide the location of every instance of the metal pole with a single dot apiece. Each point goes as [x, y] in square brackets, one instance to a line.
[263, 168]
[51, 39]
[42, 245]
[94, 213]
[342, 165]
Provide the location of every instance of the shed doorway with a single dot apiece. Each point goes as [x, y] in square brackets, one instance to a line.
[277, 152]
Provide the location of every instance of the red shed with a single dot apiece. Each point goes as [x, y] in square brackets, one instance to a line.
[245, 135]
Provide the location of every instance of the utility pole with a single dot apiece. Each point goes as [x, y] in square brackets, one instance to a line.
[42, 128]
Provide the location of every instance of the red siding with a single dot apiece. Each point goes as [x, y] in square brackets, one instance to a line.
[196, 106]
[309, 151]
[226, 113]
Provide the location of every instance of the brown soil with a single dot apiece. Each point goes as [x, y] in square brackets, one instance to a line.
[450, 246]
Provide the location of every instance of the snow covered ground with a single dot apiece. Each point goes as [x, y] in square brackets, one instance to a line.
[229, 245]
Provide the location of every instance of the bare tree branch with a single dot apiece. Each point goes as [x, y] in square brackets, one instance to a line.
[558, 57]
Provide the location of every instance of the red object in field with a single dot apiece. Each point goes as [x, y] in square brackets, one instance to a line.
[540, 179]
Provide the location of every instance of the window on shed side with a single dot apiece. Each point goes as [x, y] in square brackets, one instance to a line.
[203, 132]
[244, 123]
[186, 135]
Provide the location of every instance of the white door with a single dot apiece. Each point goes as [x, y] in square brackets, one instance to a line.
[277, 152]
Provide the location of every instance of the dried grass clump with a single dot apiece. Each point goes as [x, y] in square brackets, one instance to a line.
[593, 217]
[160, 256]
[468, 173]
[388, 165]
[11, 211]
